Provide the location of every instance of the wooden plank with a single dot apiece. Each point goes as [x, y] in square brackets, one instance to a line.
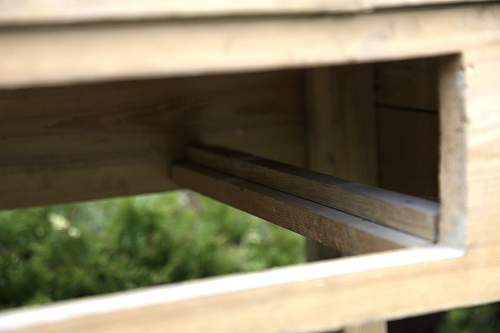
[308, 298]
[60, 11]
[341, 123]
[454, 159]
[342, 138]
[329, 226]
[409, 84]
[402, 212]
[408, 151]
[408, 143]
[92, 141]
[102, 51]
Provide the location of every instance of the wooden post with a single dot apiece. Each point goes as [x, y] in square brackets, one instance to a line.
[342, 138]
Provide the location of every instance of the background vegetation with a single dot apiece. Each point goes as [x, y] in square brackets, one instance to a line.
[60, 252]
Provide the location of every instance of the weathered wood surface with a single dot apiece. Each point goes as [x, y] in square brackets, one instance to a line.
[40, 56]
[331, 227]
[61, 11]
[99, 140]
[312, 299]
[408, 143]
[402, 212]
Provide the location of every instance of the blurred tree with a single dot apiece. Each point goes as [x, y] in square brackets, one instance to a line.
[61, 252]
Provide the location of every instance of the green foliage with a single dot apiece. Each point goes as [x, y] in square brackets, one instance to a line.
[61, 252]
[484, 319]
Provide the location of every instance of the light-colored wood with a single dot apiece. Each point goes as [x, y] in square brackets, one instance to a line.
[402, 212]
[61, 11]
[94, 141]
[328, 226]
[102, 51]
[341, 123]
[455, 158]
[341, 130]
[307, 298]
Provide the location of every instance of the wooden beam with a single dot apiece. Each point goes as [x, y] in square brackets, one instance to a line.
[102, 51]
[329, 226]
[342, 138]
[308, 298]
[409, 214]
[59, 11]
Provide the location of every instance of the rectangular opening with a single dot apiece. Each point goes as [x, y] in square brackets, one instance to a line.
[374, 127]
[386, 126]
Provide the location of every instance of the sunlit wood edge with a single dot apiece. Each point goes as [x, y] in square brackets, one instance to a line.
[68, 310]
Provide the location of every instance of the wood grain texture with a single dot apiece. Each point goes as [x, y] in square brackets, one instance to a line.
[408, 84]
[341, 130]
[317, 299]
[402, 212]
[341, 123]
[328, 226]
[61, 11]
[342, 138]
[94, 141]
[408, 151]
[103, 51]
[454, 157]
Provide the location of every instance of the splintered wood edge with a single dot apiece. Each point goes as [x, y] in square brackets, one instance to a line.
[31, 319]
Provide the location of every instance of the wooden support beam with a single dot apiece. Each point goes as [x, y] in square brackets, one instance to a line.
[102, 51]
[402, 212]
[326, 225]
[314, 297]
[342, 138]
